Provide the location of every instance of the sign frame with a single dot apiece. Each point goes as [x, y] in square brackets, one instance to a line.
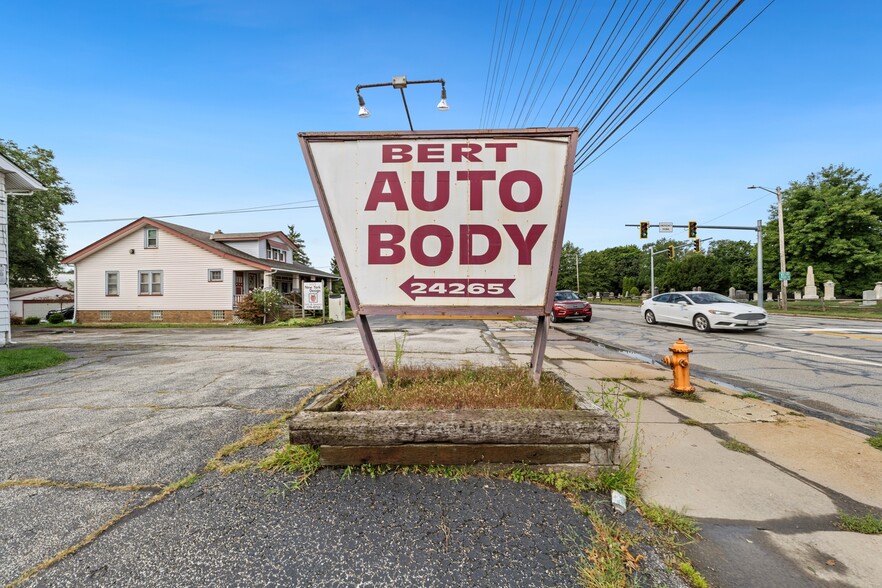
[362, 311]
[310, 288]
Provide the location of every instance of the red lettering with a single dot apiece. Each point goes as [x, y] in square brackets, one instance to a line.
[397, 153]
[534, 193]
[378, 194]
[418, 191]
[501, 149]
[460, 151]
[476, 186]
[467, 254]
[430, 153]
[418, 242]
[377, 244]
[524, 244]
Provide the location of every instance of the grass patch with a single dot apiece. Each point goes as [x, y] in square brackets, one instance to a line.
[735, 445]
[18, 361]
[290, 323]
[869, 524]
[632, 379]
[432, 388]
[670, 520]
[693, 423]
[607, 562]
[688, 396]
[254, 437]
[612, 400]
[182, 483]
[302, 460]
[713, 389]
[747, 395]
[876, 441]
[692, 576]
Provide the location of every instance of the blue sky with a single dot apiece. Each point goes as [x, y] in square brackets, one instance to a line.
[178, 107]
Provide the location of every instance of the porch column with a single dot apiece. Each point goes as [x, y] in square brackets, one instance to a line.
[267, 279]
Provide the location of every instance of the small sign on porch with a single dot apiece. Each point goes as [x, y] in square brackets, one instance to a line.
[313, 296]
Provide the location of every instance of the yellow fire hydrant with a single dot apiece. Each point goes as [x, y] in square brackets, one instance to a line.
[679, 363]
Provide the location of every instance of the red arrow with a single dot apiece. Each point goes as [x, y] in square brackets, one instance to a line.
[457, 287]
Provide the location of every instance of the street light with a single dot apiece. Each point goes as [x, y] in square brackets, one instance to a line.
[400, 83]
[777, 192]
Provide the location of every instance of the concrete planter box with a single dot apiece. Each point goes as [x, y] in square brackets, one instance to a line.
[584, 440]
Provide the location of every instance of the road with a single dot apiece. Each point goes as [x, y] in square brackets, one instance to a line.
[825, 367]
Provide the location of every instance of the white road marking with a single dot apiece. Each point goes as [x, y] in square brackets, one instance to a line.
[802, 351]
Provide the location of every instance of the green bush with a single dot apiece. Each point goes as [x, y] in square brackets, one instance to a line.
[56, 318]
[263, 305]
[32, 320]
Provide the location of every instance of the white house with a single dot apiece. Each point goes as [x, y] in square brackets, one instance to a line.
[152, 270]
[14, 181]
[38, 300]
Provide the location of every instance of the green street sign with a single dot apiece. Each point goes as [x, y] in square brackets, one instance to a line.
[783, 276]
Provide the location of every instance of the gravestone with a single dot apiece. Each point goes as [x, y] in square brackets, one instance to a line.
[740, 295]
[731, 292]
[797, 295]
[769, 297]
[811, 291]
[828, 290]
[878, 290]
[869, 298]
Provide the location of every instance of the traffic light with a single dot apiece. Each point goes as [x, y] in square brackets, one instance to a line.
[696, 245]
[671, 251]
[644, 229]
[693, 229]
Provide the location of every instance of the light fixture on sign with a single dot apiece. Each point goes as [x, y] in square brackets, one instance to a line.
[400, 83]
[442, 106]
[363, 112]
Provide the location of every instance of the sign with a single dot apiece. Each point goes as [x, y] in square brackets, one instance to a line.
[449, 222]
[665, 227]
[313, 295]
[783, 276]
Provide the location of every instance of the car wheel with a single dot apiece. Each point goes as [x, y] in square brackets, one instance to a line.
[650, 317]
[701, 323]
[554, 318]
[586, 319]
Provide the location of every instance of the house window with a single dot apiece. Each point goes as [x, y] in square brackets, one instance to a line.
[217, 315]
[215, 275]
[151, 238]
[105, 315]
[111, 283]
[149, 283]
[155, 315]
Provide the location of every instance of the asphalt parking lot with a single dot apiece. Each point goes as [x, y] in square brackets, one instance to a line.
[89, 445]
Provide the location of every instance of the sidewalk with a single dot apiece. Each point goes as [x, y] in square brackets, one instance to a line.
[768, 517]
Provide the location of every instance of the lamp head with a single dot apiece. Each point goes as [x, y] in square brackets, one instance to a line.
[363, 112]
[442, 106]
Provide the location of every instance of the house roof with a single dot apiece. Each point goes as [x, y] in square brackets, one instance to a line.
[201, 239]
[17, 292]
[17, 179]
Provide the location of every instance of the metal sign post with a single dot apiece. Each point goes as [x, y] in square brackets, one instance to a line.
[446, 223]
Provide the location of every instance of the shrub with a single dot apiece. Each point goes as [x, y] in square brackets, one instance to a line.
[263, 305]
[16, 320]
[56, 318]
[32, 320]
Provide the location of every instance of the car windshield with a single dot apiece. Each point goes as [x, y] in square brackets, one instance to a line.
[709, 298]
[566, 296]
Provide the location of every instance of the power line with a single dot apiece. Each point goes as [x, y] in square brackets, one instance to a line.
[268, 208]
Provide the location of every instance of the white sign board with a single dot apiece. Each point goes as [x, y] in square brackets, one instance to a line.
[444, 220]
[313, 295]
[665, 227]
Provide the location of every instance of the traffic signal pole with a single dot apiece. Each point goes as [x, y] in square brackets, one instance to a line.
[694, 227]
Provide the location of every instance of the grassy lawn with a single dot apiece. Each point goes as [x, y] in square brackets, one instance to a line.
[17, 361]
[290, 323]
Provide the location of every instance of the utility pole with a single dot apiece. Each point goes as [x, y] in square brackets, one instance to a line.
[783, 300]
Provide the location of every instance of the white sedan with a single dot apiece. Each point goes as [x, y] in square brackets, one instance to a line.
[705, 311]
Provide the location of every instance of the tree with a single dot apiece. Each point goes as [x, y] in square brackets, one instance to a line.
[603, 271]
[833, 222]
[36, 233]
[299, 255]
[570, 261]
[736, 264]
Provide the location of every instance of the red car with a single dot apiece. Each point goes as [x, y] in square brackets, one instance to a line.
[567, 304]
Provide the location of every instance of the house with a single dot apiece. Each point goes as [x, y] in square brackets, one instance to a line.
[152, 270]
[13, 181]
[38, 300]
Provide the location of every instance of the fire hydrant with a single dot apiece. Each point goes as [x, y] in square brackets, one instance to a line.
[679, 363]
